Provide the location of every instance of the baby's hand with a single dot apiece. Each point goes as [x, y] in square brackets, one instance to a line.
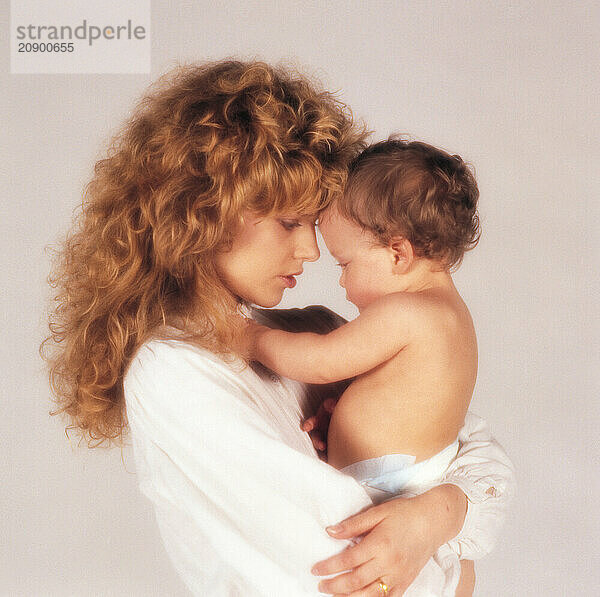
[318, 425]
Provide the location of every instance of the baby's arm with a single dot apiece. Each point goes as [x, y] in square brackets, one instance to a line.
[376, 335]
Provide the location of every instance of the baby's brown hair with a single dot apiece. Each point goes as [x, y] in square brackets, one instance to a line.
[414, 190]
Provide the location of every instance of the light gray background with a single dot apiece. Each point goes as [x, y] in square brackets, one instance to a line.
[513, 87]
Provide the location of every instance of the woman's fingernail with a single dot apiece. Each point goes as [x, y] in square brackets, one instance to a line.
[336, 529]
[315, 571]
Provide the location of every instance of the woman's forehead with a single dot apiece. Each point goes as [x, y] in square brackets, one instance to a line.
[295, 215]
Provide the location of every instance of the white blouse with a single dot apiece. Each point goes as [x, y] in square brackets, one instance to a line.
[241, 498]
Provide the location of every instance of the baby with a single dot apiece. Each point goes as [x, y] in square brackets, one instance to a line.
[406, 218]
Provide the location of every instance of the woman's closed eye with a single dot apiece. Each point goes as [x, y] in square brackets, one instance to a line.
[290, 224]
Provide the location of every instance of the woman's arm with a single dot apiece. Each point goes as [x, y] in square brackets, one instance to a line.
[415, 527]
[401, 536]
[486, 475]
[376, 335]
[241, 509]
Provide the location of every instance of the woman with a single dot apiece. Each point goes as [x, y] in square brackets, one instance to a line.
[206, 205]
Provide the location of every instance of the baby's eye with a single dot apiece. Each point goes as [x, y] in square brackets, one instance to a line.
[342, 264]
[290, 224]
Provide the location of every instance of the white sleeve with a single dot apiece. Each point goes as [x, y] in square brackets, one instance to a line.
[240, 512]
[483, 471]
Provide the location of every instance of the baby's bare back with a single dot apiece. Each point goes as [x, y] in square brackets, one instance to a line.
[415, 402]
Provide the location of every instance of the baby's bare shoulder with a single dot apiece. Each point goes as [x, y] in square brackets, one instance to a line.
[426, 314]
[420, 304]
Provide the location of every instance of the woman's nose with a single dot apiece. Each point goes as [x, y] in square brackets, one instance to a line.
[307, 248]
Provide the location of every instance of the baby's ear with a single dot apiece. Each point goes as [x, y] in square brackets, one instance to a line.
[402, 254]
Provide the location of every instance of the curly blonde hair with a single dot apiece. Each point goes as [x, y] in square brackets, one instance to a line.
[207, 143]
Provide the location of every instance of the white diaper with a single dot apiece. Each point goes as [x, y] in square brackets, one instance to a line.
[398, 475]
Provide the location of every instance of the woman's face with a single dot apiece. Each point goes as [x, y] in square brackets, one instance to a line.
[266, 255]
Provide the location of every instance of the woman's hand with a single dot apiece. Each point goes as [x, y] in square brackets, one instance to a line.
[399, 538]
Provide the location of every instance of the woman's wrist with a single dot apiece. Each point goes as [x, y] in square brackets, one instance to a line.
[446, 507]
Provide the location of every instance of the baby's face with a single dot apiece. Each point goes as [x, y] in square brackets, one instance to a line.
[367, 267]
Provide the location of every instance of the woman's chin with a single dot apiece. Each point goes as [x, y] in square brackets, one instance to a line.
[268, 301]
[269, 304]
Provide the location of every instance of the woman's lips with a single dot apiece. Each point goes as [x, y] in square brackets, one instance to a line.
[289, 281]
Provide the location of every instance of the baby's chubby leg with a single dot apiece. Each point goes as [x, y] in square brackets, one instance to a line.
[466, 584]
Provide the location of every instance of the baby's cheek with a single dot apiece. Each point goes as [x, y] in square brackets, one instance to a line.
[365, 294]
[355, 294]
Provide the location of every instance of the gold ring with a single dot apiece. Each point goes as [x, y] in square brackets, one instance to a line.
[383, 588]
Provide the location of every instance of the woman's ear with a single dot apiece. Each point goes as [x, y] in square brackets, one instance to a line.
[402, 254]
